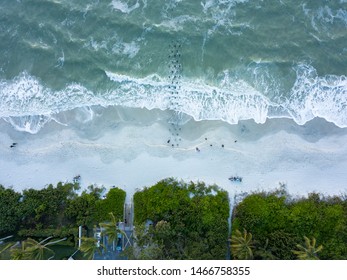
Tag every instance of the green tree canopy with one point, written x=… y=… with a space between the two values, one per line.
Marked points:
x=279 y=221
x=10 y=212
x=113 y=203
x=46 y=206
x=190 y=219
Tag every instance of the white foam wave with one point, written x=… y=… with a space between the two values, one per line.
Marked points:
x=231 y=103
x=210 y=4
x=28 y=105
x=314 y=96
x=221 y=16
x=326 y=20
x=124 y=7
x=115 y=45
x=30 y=124
x=129 y=49
x=326 y=14
x=177 y=23
x=60 y=60
x=26 y=96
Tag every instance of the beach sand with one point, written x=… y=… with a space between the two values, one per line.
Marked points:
x=129 y=148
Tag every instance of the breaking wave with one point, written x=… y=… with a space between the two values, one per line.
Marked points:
x=314 y=96
x=28 y=105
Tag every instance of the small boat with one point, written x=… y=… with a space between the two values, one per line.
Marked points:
x=235 y=179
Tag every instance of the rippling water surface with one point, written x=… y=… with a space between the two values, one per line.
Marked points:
x=211 y=59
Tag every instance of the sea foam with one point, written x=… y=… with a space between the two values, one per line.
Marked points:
x=123 y=6
x=314 y=96
x=27 y=104
x=30 y=124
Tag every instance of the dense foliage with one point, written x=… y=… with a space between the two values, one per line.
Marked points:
x=190 y=221
x=10 y=211
x=176 y=220
x=56 y=210
x=113 y=203
x=281 y=224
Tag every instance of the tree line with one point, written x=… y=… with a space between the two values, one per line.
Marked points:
x=176 y=220
x=56 y=212
x=275 y=225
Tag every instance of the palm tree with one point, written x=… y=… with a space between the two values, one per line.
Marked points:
x=308 y=251
x=110 y=229
x=5 y=249
x=89 y=246
x=17 y=253
x=265 y=252
x=242 y=245
x=34 y=250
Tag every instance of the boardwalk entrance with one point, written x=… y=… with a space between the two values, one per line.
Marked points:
x=128 y=226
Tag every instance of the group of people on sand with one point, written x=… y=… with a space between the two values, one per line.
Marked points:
x=13 y=145
x=198 y=150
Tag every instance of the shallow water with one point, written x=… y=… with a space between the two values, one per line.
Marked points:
x=211 y=60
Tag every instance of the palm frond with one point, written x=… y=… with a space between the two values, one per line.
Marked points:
x=309 y=250
x=242 y=245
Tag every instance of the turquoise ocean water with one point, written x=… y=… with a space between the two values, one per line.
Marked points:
x=225 y=60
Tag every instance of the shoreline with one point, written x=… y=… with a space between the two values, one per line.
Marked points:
x=132 y=151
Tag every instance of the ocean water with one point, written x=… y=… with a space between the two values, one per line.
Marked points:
x=227 y=60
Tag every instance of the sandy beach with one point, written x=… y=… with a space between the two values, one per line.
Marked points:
x=132 y=148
